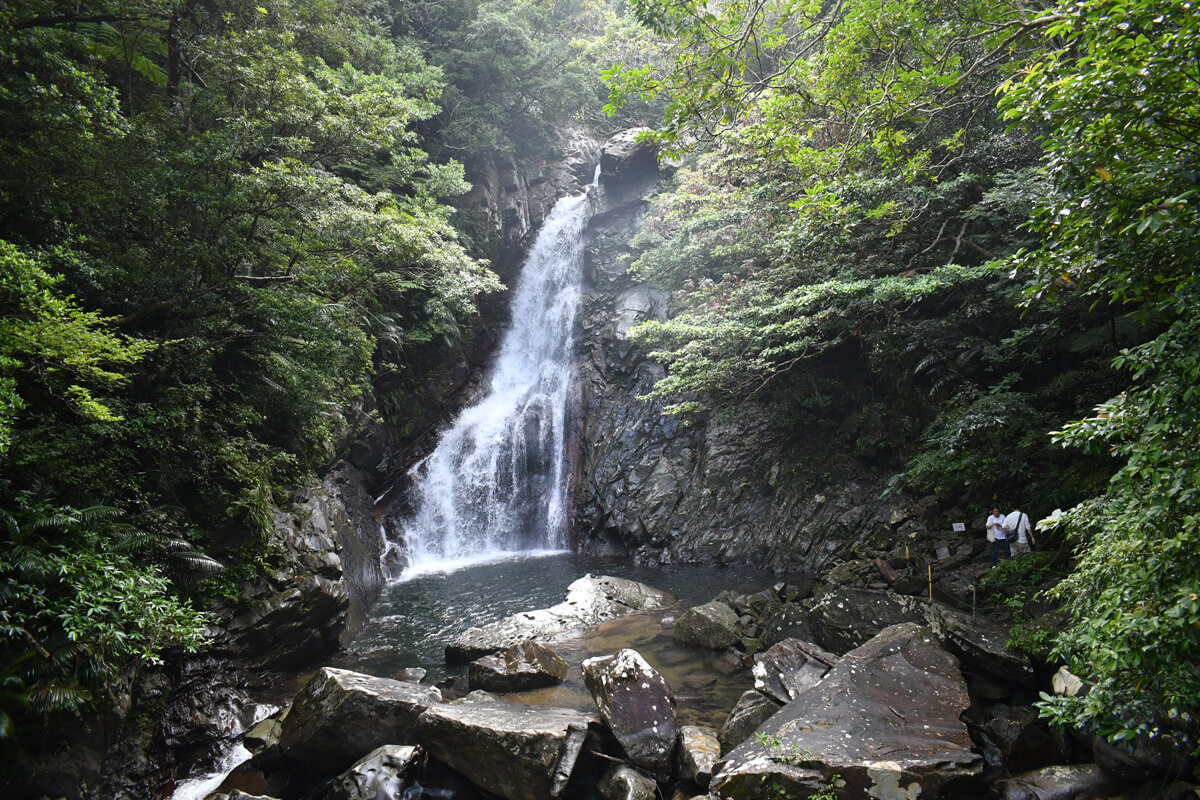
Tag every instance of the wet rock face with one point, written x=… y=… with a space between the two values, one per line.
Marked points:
x=638 y=706
x=340 y=715
x=511 y=200
x=516 y=752
x=590 y=601
x=885 y=720
x=299 y=614
x=718 y=491
x=382 y=774
x=722 y=490
x=292 y=627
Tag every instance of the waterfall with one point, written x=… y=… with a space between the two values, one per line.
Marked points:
x=496 y=482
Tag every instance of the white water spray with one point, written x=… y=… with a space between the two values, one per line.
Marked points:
x=496 y=483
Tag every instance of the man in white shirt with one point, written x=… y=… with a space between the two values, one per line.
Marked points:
x=995 y=526
x=1016 y=524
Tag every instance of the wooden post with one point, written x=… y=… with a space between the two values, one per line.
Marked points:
x=931 y=583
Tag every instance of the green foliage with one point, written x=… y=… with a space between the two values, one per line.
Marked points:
x=42 y=333
x=246 y=226
x=1117 y=90
x=517 y=73
x=1135 y=594
x=216 y=227
x=77 y=609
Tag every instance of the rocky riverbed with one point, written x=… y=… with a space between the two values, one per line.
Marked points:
x=858 y=691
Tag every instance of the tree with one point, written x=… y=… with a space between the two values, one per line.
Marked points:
x=1118 y=94
x=205 y=213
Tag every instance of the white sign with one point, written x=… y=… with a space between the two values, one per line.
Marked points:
x=960 y=526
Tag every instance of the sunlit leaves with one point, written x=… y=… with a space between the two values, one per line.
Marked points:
x=71 y=351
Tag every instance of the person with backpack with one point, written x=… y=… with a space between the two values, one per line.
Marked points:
x=997 y=536
x=1016 y=524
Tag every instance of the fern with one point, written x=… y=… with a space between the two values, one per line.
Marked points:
x=110 y=44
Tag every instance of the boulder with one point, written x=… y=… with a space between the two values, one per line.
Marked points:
x=1144 y=757
x=382 y=774
x=789 y=668
x=638 y=706
x=341 y=715
x=751 y=710
x=788 y=622
x=981 y=645
x=1064 y=782
x=1023 y=739
x=590 y=601
x=713 y=626
x=515 y=751
x=885 y=721
x=528 y=665
x=263 y=735
x=761 y=604
x=699 y=750
x=623 y=782
x=846 y=618
x=1066 y=684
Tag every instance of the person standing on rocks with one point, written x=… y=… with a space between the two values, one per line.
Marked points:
x=1017 y=524
x=995 y=526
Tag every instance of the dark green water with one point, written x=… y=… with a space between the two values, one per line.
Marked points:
x=414 y=619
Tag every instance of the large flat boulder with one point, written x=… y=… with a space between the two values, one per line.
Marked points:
x=515 y=751
x=340 y=716
x=638 y=706
x=590 y=601
x=885 y=719
x=981 y=645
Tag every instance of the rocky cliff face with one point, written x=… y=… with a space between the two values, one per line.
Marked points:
x=724 y=489
x=509 y=201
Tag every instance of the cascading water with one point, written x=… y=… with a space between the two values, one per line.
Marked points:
x=496 y=482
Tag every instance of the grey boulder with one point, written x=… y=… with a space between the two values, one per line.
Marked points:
x=638 y=706
x=524 y=666
x=515 y=751
x=713 y=626
x=884 y=721
x=1064 y=782
x=752 y=709
x=699 y=750
x=622 y=782
x=786 y=669
x=341 y=715
x=590 y=601
x=382 y=774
